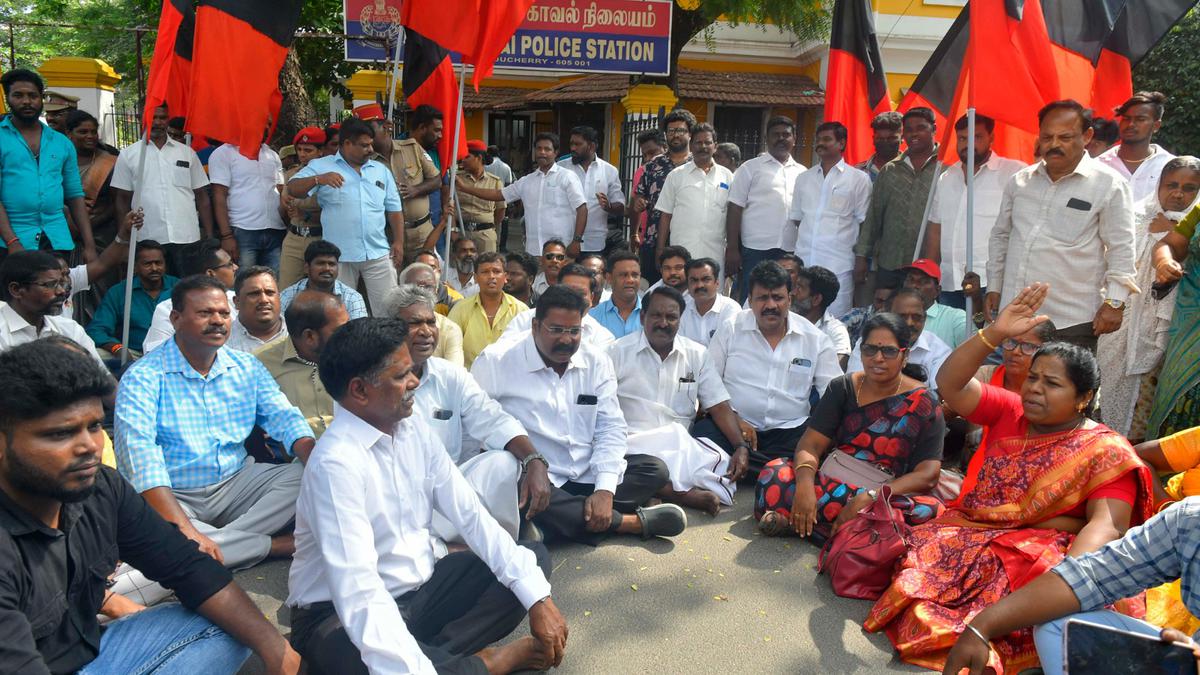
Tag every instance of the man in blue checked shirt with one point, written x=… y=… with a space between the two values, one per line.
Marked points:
x=1164 y=548
x=321 y=274
x=183 y=413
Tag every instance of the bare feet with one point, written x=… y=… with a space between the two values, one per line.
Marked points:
x=523 y=654
x=699 y=499
x=282 y=546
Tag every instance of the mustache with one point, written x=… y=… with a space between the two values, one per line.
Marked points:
x=563 y=349
x=1055 y=152
x=770 y=312
x=215 y=330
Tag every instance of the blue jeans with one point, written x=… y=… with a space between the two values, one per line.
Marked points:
x=1049 y=636
x=166 y=640
x=259 y=247
x=750 y=258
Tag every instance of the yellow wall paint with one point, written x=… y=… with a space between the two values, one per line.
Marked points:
x=914 y=8
x=474 y=124
x=898 y=81
x=698 y=107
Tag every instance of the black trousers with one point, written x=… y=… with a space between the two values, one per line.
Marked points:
x=1080 y=334
x=563 y=519
x=459 y=611
x=772 y=444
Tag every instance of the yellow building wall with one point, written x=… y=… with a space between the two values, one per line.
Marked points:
x=914 y=8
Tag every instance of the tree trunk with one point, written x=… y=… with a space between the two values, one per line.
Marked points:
x=685 y=25
x=297 y=107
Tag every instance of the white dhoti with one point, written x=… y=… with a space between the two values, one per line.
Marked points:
x=494 y=476
x=693 y=462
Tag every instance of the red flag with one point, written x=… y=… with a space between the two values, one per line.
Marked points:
x=1139 y=28
x=855 y=86
x=477 y=29
x=428 y=79
x=1012 y=61
x=170 y=70
x=239 y=50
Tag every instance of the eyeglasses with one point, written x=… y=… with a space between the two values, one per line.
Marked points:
x=573 y=331
x=869 y=351
x=59 y=285
x=1027 y=348
x=224 y=265
x=554 y=256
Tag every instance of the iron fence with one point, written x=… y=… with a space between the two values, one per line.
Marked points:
x=631 y=154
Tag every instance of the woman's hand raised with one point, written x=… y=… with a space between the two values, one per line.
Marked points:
x=1020 y=315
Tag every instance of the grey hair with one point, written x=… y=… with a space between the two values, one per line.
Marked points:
x=407 y=295
x=416 y=267
x=1181 y=162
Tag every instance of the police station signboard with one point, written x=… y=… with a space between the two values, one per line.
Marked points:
x=582 y=36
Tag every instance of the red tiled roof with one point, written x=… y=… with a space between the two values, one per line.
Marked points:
x=487 y=97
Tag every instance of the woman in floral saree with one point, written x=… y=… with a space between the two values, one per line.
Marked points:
x=1053 y=483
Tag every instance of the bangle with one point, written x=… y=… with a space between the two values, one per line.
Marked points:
x=983 y=338
x=981 y=636
x=115 y=348
x=10 y=242
x=806 y=465
x=227 y=235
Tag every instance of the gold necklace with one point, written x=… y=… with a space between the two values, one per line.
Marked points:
x=1025 y=443
x=858 y=388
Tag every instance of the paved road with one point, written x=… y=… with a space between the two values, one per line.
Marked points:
x=717 y=599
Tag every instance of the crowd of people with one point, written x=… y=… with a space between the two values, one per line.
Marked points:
x=301 y=359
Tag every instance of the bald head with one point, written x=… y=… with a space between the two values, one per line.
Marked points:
x=311 y=318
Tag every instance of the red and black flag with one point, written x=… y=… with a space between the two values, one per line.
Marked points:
x=239 y=50
x=170 y=70
x=428 y=79
x=936 y=86
x=477 y=29
x=1139 y=28
x=855 y=84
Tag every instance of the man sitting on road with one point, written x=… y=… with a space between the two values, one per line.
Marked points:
x=321 y=274
x=450 y=336
x=183 y=414
x=484 y=315
x=775 y=365
x=367 y=590
x=816 y=290
x=707 y=308
x=204 y=257
x=927 y=350
x=663 y=379
x=259 y=321
x=34 y=289
x=564 y=394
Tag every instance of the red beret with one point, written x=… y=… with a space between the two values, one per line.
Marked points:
x=309 y=136
x=369 y=111
x=476 y=145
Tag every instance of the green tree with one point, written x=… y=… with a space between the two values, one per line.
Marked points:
x=1168 y=68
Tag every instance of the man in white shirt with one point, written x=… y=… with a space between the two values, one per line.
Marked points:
x=694 y=197
x=927 y=350
x=829 y=203
x=555 y=207
x=775 y=365
x=462 y=260
x=672 y=268
x=246 y=202
x=366 y=587
x=601 y=185
x=578 y=278
x=1066 y=221
x=1137 y=159
x=259 y=320
x=663 y=380
x=203 y=257
x=816 y=287
x=554 y=256
x=946 y=235
x=174 y=197
x=564 y=394
x=33 y=290
x=760 y=197
x=707 y=308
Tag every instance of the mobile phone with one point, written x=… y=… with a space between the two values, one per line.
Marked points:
x=1095 y=649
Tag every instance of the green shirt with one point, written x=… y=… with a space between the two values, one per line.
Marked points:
x=889 y=234
x=948 y=323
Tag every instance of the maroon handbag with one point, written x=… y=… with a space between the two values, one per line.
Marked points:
x=861 y=557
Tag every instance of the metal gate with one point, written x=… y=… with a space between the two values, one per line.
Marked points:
x=631 y=155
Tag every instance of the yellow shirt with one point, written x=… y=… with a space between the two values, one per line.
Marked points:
x=450 y=341
x=299 y=383
x=477 y=332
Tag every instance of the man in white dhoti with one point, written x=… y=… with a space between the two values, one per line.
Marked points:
x=662 y=380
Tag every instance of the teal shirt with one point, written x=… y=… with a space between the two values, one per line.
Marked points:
x=34 y=191
x=948 y=323
x=105 y=328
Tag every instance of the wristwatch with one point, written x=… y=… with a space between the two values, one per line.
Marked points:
x=1115 y=304
x=872 y=494
x=578 y=239
x=537 y=456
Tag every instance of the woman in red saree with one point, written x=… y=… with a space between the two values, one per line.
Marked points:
x=1052 y=483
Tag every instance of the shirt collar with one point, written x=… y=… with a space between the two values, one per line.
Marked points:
x=1086 y=168
x=768 y=157
x=534 y=362
x=18 y=522
x=357 y=428
x=612 y=304
x=840 y=167
x=14 y=321
x=643 y=344
x=173 y=361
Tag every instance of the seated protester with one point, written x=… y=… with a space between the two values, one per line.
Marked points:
x=948 y=323
x=367 y=592
x=672 y=269
x=792 y=264
x=84 y=275
x=1053 y=484
x=484 y=315
x=621 y=314
x=462 y=260
x=446 y=297
x=459 y=412
x=151 y=285
x=259 y=321
x=927 y=350
x=33 y=291
x=816 y=289
x=311 y=318
x=881 y=301
x=203 y=257
x=449 y=335
x=595 y=263
x=775 y=365
x=663 y=380
x=65 y=520
x=882 y=417
x=554 y=257
x=564 y=395
x=321 y=274
x=1082 y=586
x=189 y=462
x=520 y=268
x=707 y=308
x=583 y=280
x=1177 y=454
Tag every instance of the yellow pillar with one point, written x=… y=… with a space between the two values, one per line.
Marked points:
x=92 y=80
x=649 y=98
x=365 y=84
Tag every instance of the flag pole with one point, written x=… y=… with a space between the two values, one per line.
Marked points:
x=458 y=115
x=395 y=75
x=937 y=173
x=970 y=319
x=129 y=263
